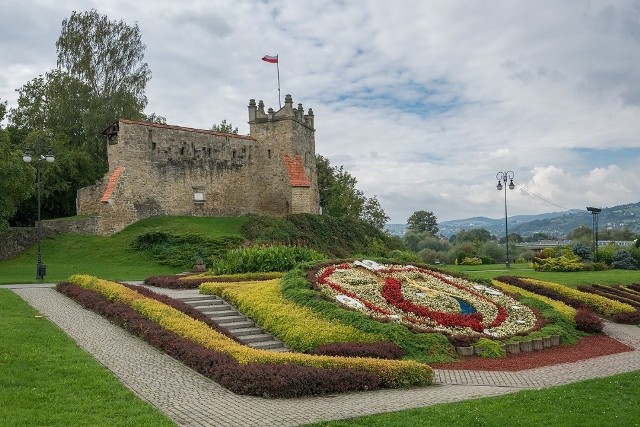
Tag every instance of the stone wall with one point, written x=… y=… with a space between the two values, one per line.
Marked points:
x=157 y=169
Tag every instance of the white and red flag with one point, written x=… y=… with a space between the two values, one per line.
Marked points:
x=271 y=59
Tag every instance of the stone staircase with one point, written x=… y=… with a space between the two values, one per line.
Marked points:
x=241 y=327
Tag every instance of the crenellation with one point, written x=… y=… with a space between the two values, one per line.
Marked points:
x=172 y=170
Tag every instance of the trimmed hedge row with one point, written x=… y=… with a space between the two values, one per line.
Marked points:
x=629 y=294
x=378 y=350
x=193 y=281
x=425 y=347
x=569 y=296
x=299 y=327
x=266 y=380
x=389 y=373
x=565 y=310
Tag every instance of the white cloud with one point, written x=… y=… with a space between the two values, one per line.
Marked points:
x=446 y=94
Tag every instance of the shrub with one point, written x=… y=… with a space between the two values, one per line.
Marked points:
x=265 y=380
x=588 y=322
x=490 y=348
x=193 y=281
x=488 y=260
x=299 y=327
x=471 y=261
x=561 y=263
x=623 y=260
x=377 y=350
x=562 y=308
x=403 y=256
x=264 y=258
x=632 y=318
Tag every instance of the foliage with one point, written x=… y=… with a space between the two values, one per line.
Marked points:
x=423 y=222
x=298 y=327
x=402 y=256
x=422 y=347
x=475 y=235
x=623 y=260
x=564 y=262
x=340 y=198
x=263 y=258
x=265 y=380
x=588 y=322
x=563 y=309
x=471 y=261
x=48 y=380
x=192 y=281
x=334 y=237
x=16 y=178
x=582 y=250
x=389 y=373
x=490 y=348
x=377 y=350
x=225 y=127
x=182 y=250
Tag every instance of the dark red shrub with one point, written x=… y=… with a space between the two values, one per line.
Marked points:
x=632 y=318
x=588 y=322
x=378 y=350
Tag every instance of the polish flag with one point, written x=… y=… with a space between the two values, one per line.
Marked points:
x=271 y=59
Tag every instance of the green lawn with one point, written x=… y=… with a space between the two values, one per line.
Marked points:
x=47 y=380
x=571 y=279
x=108 y=257
x=612 y=401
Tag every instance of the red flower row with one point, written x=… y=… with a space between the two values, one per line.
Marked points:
x=392 y=292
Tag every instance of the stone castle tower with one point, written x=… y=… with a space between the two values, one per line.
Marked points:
x=157 y=169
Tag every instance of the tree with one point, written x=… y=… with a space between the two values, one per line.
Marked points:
x=423 y=221
x=339 y=196
x=475 y=235
x=16 y=178
x=225 y=127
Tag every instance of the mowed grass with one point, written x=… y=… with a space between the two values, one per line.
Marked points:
x=612 y=401
x=47 y=380
x=571 y=279
x=109 y=257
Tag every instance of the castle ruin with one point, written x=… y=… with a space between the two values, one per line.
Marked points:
x=157 y=169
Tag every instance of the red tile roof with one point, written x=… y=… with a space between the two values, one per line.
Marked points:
x=295 y=169
x=111 y=185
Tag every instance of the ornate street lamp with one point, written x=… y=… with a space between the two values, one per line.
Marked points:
x=41 y=269
x=502 y=177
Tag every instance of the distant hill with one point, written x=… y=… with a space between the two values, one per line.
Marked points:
x=557 y=224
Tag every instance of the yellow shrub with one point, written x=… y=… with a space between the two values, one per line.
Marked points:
x=299 y=327
x=392 y=373
x=598 y=303
x=565 y=310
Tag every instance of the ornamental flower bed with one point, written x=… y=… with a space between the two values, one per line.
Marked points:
x=425 y=300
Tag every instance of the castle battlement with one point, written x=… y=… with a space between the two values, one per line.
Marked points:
x=257 y=114
x=158 y=169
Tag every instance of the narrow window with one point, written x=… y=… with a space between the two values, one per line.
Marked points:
x=182 y=151
x=209 y=151
x=269 y=153
x=233 y=154
x=153 y=146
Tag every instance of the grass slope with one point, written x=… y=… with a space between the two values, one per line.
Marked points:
x=48 y=380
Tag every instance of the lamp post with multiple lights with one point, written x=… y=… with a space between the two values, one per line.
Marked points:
x=503 y=177
x=28 y=156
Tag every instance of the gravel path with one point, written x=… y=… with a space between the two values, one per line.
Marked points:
x=191 y=399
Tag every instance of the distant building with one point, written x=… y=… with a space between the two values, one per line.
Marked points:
x=157 y=169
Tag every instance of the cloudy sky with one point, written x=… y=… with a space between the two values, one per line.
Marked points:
x=422 y=101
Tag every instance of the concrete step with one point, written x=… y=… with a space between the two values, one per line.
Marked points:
x=228 y=312
x=244 y=324
x=240 y=332
x=256 y=338
x=198 y=298
x=229 y=319
x=210 y=309
x=206 y=303
x=267 y=345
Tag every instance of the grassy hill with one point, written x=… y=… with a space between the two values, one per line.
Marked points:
x=168 y=245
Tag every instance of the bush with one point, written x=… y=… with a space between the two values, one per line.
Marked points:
x=264 y=258
x=588 y=322
x=623 y=260
x=490 y=348
x=403 y=256
x=471 y=261
x=561 y=263
x=193 y=281
x=632 y=318
x=377 y=350
x=488 y=260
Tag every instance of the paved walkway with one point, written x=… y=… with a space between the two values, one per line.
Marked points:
x=191 y=399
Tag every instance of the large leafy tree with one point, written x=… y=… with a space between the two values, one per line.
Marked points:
x=16 y=178
x=423 y=222
x=100 y=77
x=339 y=196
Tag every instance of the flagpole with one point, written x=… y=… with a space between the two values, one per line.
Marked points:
x=278 y=68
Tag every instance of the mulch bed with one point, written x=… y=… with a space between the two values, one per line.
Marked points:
x=587 y=348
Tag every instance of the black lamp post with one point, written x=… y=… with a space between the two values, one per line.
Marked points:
x=594 y=230
x=502 y=177
x=41 y=269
